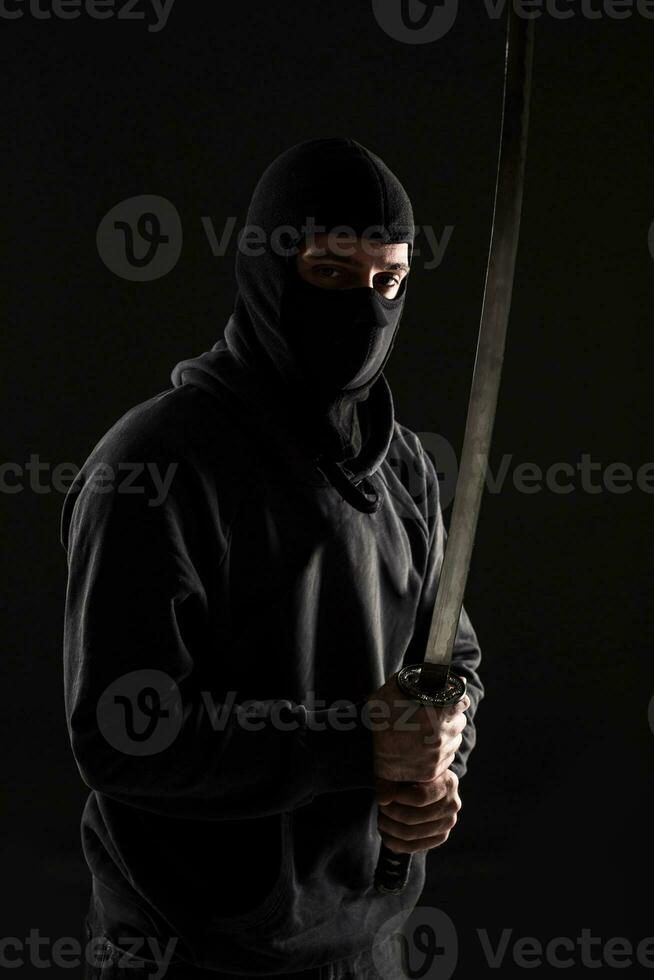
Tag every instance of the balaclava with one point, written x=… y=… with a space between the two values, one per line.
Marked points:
x=322 y=350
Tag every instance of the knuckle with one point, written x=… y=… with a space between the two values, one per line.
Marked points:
x=429 y=772
x=424 y=795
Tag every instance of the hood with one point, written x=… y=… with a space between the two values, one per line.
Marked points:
x=320 y=185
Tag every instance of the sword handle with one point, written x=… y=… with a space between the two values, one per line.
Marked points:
x=428 y=684
x=392 y=871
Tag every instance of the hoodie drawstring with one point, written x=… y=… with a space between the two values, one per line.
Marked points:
x=367 y=503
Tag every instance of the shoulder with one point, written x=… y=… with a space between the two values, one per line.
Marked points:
x=171 y=456
x=173 y=424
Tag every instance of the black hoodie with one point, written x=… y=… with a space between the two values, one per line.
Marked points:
x=223 y=632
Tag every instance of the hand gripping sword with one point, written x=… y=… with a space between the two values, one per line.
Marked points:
x=432 y=682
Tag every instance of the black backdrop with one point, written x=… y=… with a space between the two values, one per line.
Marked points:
x=554 y=833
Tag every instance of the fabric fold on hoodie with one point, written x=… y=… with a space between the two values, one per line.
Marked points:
x=274 y=419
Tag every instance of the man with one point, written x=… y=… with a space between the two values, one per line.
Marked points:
x=233 y=630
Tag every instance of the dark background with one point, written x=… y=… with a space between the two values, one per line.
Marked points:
x=554 y=835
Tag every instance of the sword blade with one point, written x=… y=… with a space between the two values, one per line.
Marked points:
x=490 y=348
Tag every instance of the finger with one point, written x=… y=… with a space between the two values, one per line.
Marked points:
x=458 y=707
x=463 y=704
x=441 y=716
x=444 y=765
x=403 y=831
x=459 y=723
x=385 y=790
x=446 y=739
x=441 y=736
x=399 y=846
x=420 y=794
x=417 y=815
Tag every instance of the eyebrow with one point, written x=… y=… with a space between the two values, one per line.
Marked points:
x=326 y=253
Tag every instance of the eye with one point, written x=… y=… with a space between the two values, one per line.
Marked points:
x=392 y=280
x=324 y=271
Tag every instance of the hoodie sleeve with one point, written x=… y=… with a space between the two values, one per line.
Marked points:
x=134 y=614
x=466 y=655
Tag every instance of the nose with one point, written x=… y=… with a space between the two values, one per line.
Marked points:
x=370 y=313
x=369 y=280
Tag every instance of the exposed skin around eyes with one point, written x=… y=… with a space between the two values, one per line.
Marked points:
x=346 y=262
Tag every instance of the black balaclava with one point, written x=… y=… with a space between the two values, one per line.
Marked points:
x=319 y=339
x=321 y=350
x=341 y=338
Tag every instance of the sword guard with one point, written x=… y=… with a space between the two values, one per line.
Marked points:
x=431 y=684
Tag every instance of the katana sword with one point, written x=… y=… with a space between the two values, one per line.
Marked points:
x=432 y=682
